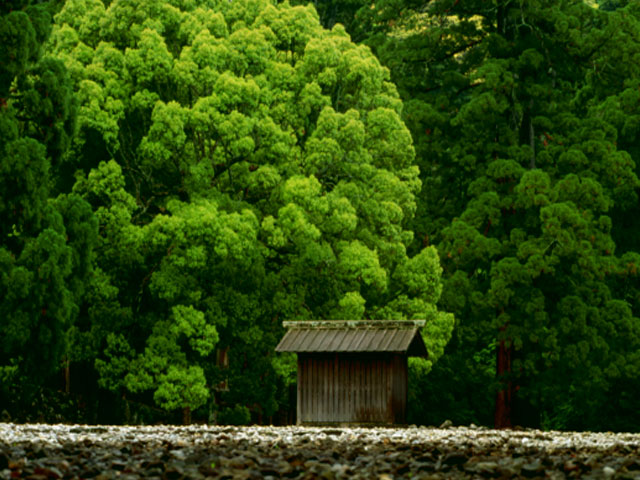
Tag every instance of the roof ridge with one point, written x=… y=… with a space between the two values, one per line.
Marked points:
x=357 y=324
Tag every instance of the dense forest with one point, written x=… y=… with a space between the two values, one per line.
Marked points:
x=178 y=177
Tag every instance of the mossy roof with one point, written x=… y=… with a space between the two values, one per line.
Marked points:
x=354 y=336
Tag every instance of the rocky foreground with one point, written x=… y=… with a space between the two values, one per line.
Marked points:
x=41 y=452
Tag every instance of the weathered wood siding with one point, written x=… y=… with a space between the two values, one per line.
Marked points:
x=352 y=388
x=400 y=383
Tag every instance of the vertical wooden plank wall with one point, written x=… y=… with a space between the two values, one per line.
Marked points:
x=334 y=388
x=299 y=393
x=400 y=380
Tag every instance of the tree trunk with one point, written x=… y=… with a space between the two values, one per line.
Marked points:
x=504 y=399
x=500 y=19
x=528 y=134
x=67 y=375
x=532 y=139
x=127 y=409
x=186 y=415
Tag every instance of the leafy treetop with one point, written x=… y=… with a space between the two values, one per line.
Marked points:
x=256 y=168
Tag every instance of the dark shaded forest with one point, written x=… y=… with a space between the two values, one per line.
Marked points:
x=179 y=177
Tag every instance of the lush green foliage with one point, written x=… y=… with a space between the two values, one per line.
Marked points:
x=46 y=235
x=180 y=176
x=245 y=166
x=527 y=188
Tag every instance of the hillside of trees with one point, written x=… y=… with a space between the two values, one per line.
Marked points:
x=178 y=177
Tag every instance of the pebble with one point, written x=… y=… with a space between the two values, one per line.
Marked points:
x=608 y=472
x=204 y=451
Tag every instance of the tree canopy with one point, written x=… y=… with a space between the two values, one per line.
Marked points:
x=523 y=174
x=246 y=166
x=178 y=177
x=46 y=234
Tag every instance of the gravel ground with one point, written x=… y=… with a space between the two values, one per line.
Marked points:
x=42 y=452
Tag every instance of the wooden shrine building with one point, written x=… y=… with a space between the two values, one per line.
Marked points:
x=353 y=371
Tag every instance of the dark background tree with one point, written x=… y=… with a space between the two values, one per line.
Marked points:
x=46 y=233
x=529 y=184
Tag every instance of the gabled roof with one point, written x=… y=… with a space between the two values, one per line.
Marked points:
x=354 y=336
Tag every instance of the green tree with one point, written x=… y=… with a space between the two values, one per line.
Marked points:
x=46 y=235
x=246 y=166
x=614 y=83
x=522 y=179
x=344 y=12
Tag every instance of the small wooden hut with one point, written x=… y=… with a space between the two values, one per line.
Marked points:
x=353 y=371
